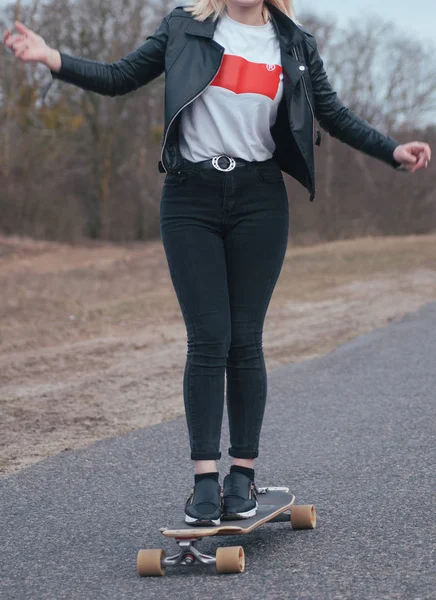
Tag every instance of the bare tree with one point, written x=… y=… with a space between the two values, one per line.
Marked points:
x=78 y=164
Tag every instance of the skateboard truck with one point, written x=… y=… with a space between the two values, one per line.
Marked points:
x=154 y=562
x=188 y=555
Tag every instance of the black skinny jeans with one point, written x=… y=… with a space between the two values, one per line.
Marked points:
x=225 y=237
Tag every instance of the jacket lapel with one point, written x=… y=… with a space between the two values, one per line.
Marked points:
x=288 y=33
x=204 y=28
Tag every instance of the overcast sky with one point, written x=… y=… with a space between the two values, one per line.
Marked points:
x=414 y=18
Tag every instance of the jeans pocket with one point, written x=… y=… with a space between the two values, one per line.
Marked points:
x=175 y=178
x=270 y=175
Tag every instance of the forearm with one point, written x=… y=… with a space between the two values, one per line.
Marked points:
x=79 y=72
x=138 y=68
x=339 y=120
x=359 y=134
x=92 y=75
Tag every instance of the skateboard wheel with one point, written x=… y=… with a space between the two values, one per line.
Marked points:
x=149 y=563
x=230 y=560
x=303 y=517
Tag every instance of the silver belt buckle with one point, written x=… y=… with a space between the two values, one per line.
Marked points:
x=231 y=166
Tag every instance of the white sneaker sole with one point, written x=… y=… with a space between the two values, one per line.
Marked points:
x=193 y=520
x=245 y=515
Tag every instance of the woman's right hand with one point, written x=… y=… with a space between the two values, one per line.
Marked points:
x=28 y=46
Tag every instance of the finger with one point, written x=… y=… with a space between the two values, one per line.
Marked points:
x=425 y=157
x=21 y=49
x=23 y=54
x=415 y=149
x=22 y=28
x=422 y=148
x=7 y=38
x=19 y=40
x=418 y=147
x=421 y=162
x=408 y=157
x=12 y=39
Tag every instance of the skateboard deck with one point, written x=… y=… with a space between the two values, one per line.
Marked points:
x=271 y=503
x=274 y=504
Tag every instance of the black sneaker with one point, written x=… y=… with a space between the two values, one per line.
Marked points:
x=204 y=505
x=239 y=496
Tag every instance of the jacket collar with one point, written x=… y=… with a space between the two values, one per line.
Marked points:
x=288 y=32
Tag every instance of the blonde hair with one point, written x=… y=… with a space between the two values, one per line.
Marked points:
x=202 y=9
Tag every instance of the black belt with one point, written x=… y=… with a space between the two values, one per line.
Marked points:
x=220 y=163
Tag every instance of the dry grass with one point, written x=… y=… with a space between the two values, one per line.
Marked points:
x=92 y=341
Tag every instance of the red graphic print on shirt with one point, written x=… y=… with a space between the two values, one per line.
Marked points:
x=244 y=77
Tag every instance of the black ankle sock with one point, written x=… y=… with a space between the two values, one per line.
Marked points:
x=245 y=470
x=213 y=475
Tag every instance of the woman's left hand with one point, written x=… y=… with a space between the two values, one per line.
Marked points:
x=413 y=156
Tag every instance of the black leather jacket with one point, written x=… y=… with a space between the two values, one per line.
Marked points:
x=183 y=48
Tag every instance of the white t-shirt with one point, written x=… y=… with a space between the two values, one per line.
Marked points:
x=234 y=114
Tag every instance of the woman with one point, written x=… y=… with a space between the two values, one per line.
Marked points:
x=243 y=84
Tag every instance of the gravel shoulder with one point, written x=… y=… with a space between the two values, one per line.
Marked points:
x=93 y=344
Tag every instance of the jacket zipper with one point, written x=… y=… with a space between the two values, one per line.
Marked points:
x=318 y=133
x=184 y=106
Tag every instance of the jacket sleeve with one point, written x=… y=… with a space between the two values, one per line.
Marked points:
x=340 y=121
x=126 y=75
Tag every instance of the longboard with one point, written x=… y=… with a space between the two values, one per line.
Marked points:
x=274 y=504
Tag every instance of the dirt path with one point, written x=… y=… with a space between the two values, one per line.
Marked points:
x=92 y=342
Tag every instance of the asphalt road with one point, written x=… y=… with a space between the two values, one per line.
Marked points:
x=352 y=432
